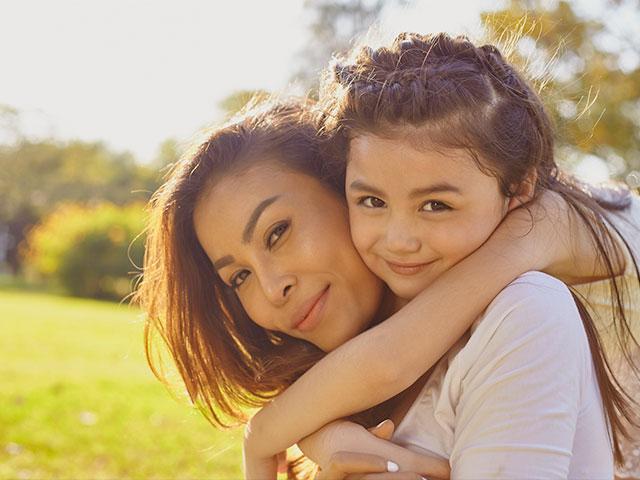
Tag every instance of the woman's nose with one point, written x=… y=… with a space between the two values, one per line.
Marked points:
x=277 y=286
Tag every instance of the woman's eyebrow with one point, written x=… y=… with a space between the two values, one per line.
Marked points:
x=255 y=216
x=223 y=262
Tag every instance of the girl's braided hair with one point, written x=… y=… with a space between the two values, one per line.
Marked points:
x=454 y=94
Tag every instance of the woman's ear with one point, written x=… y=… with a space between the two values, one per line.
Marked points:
x=525 y=191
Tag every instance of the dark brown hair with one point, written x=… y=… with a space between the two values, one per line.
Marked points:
x=466 y=97
x=226 y=361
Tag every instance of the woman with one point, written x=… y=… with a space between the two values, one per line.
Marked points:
x=225 y=360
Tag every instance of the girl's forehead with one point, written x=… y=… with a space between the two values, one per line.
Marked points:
x=403 y=157
x=391 y=165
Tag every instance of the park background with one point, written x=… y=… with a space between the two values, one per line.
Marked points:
x=98 y=99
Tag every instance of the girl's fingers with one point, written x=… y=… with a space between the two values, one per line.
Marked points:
x=435 y=467
x=345 y=463
x=386 y=476
x=384 y=429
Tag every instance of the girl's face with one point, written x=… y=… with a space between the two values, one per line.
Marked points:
x=415 y=213
x=281 y=240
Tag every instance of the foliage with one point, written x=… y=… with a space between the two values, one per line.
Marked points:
x=236 y=101
x=591 y=66
x=36 y=176
x=86 y=250
x=333 y=26
x=79 y=402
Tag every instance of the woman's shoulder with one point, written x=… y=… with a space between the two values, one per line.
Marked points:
x=629 y=217
x=627 y=225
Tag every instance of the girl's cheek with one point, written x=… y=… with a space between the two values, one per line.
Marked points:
x=362 y=233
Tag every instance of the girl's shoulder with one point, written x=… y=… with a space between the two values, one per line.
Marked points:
x=534 y=307
x=531 y=329
x=532 y=292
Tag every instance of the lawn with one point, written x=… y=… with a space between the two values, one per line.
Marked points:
x=77 y=400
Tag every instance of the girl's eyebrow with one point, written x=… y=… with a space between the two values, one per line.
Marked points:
x=360 y=185
x=416 y=192
x=435 y=188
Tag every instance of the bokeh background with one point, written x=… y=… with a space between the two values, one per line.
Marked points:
x=98 y=98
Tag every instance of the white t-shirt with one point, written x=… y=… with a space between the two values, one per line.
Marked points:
x=518 y=398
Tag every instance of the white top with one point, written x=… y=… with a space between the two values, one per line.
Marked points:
x=519 y=397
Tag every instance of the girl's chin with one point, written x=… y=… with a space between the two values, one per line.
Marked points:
x=407 y=290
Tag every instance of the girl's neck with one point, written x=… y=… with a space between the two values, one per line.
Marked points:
x=389 y=305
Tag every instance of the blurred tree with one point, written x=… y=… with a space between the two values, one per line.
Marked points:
x=169 y=152
x=333 y=26
x=89 y=251
x=589 y=63
x=35 y=176
x=10 y=130
x=233 y=103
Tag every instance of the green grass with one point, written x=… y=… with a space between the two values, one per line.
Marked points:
x=77 y=400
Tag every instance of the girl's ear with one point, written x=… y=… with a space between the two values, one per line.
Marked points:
x=525 y=191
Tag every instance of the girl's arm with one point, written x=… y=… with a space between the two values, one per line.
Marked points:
x=386 y=359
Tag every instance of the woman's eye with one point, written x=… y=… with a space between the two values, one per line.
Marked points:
x=238 y=278
x=276 y=233
x=434 y=206
x=371 y=202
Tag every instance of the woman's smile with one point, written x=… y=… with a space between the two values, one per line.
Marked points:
x=281 y=240
x=311 y=312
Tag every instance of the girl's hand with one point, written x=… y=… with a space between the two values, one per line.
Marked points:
x=345 y=450
x=552 y=238
x=543 y=231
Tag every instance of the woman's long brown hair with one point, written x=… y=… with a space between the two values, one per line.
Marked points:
x=467 y=97
x=226 y=361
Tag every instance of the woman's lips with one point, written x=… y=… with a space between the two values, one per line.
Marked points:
x=407 y=269
x=312 y=312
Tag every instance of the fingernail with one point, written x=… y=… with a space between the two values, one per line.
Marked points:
x=392 y=466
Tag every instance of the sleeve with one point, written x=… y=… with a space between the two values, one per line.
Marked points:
x=520 y=396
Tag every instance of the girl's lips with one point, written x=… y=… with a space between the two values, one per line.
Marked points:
x=314 y=313
x=407 y=269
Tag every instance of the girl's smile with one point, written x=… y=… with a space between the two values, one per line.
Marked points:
x=415 y=211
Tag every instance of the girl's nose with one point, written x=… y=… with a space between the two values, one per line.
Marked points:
x=401 y=240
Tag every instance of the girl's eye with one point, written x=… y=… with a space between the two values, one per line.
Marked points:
x=434 y=206
x=276 y=233
x=238 y=278
x=371 y=202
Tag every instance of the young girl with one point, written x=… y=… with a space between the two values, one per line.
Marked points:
x=444 y=138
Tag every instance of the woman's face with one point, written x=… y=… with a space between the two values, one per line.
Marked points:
x=281 y=240
x=415 y=213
